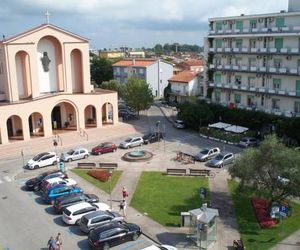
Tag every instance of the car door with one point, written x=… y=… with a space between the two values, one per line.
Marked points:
x=134 y=142
x=76 y=155
x=44 y=161
x=81 y=153
x=120 y=236
x=227 y=159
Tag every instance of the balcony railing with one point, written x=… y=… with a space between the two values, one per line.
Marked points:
x=257 y=30
x=283 y=51
x=256 y=69
x=256 y=89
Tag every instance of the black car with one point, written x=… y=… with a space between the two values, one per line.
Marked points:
x=152 y=137
x=67 y=200
x=113 y=234
x=33 y=183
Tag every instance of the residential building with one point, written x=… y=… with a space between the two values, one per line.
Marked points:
x=136 y=54
x=111 y=54
x=155 y=72
x=45 y=86
x=185 y=84
x=254 y=61
x=192 y=64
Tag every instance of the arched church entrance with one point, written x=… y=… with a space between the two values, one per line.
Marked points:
x=64 y=116
x=36 y=125
x=14 y=128
x=90 y=117
x=23 y=74
x=77 y=71
x=50 y=66
x=107 y=114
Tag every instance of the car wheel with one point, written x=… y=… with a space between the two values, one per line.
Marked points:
x=99 y=153
x=105 y=246
x=127 y=147
x=70 y=159
x=36 y=167
x=221 y=165
x=135 y=236
x=85 y=156
x=54 y=163
x=77 y=222
x=114 y=150
x=148 y=142
x=141 y=144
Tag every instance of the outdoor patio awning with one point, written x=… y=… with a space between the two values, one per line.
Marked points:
x=236 y=129
x=220 y=125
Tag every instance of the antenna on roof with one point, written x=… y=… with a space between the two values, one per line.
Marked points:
x=47 y=15
x=3 y=37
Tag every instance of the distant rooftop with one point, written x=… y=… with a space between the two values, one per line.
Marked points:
x=185 y=76
x=135 y=62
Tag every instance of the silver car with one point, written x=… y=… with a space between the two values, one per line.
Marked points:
x=75 y=154
x=248 y=142
x=221 y=160
x=132 y=142
x=207 y=153
x=92 y=220
x=179 y=124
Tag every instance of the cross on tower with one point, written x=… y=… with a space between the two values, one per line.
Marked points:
x=47 y=15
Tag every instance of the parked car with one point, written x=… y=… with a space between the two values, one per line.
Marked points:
x=113 y=234
x=51 y=183
x=48 y=177
x=59 y=191
x=132 y=142
x=160 y=247
x=65 y=201
x=95 y=219
x=179 y=124
x=33 y=182
x=248 y=142
x=42 y=160
x=152 y=137
x=126 y=114
x=124 y=106
x=207 y=153
x=75 y=154
x=105 y=147
x=221 y=160
x=73 y=214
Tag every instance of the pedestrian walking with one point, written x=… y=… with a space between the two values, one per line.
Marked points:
x=51 y=243
x=124 y=193
x=59 y=241
x=123 y=207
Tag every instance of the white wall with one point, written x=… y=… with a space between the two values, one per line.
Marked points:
x=47 y=80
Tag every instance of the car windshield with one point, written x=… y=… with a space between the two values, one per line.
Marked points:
x=219 y=157
x=128 y=140
x=70 y=152
x=180 y=122
x=204 y=151
x=37 y=157
x=244 y=140
x=101 y=145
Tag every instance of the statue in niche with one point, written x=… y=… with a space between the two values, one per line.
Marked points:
x=45 y=61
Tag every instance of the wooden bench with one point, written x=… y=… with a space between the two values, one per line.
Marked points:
x=108 y=165
x=176 y=171
x=86 y=165
x=199 y=172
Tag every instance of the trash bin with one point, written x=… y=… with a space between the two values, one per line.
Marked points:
x=202 y=192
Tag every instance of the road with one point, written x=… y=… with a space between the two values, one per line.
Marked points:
x=27 y=223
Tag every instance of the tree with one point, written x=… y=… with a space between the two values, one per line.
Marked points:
x=272 y=169
x=114 y=85
x=138 y=94
x=158 y=49
x=101 y=70
x=167 y=92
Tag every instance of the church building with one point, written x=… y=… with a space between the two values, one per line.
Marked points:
x=45 y=86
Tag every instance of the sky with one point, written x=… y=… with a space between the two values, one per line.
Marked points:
x=131 y=23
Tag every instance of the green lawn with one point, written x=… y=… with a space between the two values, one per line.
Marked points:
x=253 y=236
x=163 y=197
x=102 y=185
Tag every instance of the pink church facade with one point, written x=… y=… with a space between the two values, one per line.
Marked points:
x=45 y=86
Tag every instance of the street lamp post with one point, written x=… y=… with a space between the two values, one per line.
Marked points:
x=157 y=126
x=110 y=171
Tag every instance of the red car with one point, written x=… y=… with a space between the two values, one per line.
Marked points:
x=105 y=147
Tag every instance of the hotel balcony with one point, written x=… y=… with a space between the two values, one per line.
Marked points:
x=258 y=51
x=255 y=89
x=258 y=30
x=255 y=69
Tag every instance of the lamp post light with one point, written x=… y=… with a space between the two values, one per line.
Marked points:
x=110 y=171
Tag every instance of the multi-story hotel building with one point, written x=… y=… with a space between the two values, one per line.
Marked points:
x=45 y=86
x=254 y=61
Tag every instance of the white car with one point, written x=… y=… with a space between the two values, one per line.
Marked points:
x=42 y=160
x=132 y=142
x=160 y=247
x=179 y=124
x=56 y=181
x=75 y=154
x=207 y=154
x=72 y=214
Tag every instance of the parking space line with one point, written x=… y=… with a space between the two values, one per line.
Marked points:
x=6 y=178
x=69 y=231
